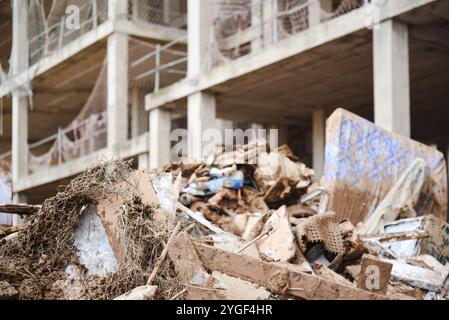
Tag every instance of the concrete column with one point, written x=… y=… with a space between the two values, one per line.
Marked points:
x=118 y=9
x=270 y=23
x=199 y=22
x=19 y=63
x=318 y=141
x=314 y=11
x=257 y=25
x=19 y=137
x=19 y=58
x=18 y=198
x=117 y=89
x=143 y=161
x=391 y=77
x=224 y=125
x=139 y=117
x=201 y=115
x=166 y=11
x=160 y=127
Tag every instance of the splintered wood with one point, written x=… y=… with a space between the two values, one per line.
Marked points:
x=190 y=269
x=20 y=209
x=192 y=261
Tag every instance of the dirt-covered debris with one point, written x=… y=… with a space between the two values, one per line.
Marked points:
x=35 y=260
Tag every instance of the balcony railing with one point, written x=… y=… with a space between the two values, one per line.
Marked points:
x=49 y=33
x=241 y=27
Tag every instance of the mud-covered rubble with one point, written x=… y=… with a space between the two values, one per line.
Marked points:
x=246 y=223
x=239 y=247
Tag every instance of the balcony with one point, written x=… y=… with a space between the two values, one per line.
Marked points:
x=50 y=29
x=239 y=28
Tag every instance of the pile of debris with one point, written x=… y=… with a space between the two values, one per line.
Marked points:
x=246 y=223
x=97 y=238
x=276 y=231
x=236 y=189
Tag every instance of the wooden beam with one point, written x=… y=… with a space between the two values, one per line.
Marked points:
x=190 y=269
x=300 y=284
x=22 y=209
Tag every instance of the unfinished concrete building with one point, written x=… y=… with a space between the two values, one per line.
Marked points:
x=131 y=72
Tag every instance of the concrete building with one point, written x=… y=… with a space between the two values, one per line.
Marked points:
x=284 y=64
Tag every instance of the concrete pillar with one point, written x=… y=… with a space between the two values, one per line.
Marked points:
x=199 y=22
x=166 y=11
x=19 y=137
x=18 y=198
x=314 y=11
x=257 y=23
x=117 y=89
x=318 y=141
x=391 y=77
x=139 y=117
x=143 y=161
x=201 y=115
x=117 y=9
x=224 y=125
x=270 y=22
x=160 y=127
x=19 y=58
x=19 y=63
x=117 y=95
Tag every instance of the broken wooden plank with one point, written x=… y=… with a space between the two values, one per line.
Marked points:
x=21 y=209
x=189 y=268
x=270 y=275
x=374 y=275
x=397 y=236
x=329 y=274
x=199 y=218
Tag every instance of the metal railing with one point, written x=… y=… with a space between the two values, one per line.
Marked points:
x=56 y=155
x=54 y=37
x=180 y=57
x=266 y=22
x=92 y=13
